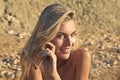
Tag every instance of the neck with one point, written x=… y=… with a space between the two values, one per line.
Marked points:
x=60 y=62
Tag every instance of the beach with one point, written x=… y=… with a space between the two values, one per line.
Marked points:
x=99 y=28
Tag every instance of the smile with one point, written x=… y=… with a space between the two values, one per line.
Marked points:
x=66 y=50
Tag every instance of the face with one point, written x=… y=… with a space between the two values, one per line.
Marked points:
x=65 y=39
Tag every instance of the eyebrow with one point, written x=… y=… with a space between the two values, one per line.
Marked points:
x=65 y=33
x=74 y=32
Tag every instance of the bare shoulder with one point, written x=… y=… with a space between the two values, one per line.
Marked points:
x=82 y=60
x=34 y=74
x=81 y=53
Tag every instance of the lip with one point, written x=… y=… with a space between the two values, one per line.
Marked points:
x=66 y=50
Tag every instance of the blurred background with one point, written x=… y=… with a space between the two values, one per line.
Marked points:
x=99 y=26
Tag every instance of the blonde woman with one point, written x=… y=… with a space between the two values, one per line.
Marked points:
x=52 y=52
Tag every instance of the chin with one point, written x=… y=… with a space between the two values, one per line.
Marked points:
x=64 y=57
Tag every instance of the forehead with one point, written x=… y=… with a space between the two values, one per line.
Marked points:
x=68 y=27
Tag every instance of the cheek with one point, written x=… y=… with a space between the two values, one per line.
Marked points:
x=57 y=43
x=73 y=41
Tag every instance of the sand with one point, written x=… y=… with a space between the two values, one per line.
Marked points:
x=99 y=23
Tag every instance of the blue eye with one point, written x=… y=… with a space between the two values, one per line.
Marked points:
x=74 y=34
x=60 y=35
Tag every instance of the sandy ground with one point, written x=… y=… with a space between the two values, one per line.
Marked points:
x=99 y=23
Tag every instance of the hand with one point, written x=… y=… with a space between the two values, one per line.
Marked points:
x=49 y=58
x=50 y=61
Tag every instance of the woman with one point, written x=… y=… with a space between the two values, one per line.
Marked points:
x=52 y=52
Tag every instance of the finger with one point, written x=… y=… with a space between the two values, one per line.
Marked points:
x=51 y=45
x=44 y=53
x=49 y=51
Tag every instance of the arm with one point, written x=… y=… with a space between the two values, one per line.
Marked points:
x=83 y=65
x=49 y=67
x=34 y=74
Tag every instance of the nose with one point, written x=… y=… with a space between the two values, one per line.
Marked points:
x=68 y=41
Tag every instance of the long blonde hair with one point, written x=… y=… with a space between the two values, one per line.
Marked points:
x=45 y=30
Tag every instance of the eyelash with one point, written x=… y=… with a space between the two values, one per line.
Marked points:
x=74 y=34
x=62 y=36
